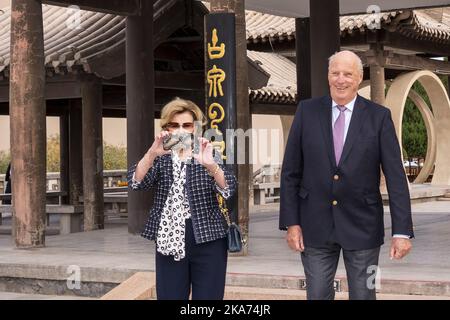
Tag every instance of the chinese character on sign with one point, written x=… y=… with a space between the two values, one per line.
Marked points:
x=214 y=51
x=215 y=78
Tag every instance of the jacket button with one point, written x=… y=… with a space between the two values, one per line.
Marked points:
x=335 y=203
x=336 y=177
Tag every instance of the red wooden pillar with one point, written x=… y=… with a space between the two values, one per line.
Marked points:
x=91 y=95
x=140 y=105
x=28 y=127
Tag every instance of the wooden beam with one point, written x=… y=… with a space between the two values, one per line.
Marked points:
x=119 y=7
x=396 y=40
x=115 y=113
x=180 y=80
x=53 y=91
x=405 y=62
x=117 y=81
x=115 y=97
x=354 y=39
x=54 y=107
x=168 y=52
x=273 y=109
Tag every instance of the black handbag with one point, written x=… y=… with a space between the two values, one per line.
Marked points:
x=234 y=238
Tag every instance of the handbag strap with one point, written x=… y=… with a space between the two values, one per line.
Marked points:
x=224 y=209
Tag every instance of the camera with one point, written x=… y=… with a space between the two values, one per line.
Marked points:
x=178 y=141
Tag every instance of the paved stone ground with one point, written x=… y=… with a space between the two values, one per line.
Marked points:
x=106 y=251
x=24 y=296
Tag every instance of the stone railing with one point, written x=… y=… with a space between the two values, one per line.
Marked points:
x=111 y=178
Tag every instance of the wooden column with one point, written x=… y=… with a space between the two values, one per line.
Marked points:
x=64 y=146
x=91 y=95
x=303 y=56
x=325 y=41
x=28 y=125
x=75 y=188
x=377 y=92
x=377 y=82
x=140 y=105
x=448 y=80
x=244 y=172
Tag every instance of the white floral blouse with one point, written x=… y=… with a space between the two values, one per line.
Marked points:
x=170 y=239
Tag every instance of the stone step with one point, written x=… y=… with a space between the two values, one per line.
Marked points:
x=141 y=286
x=443 y=199
x=49 y=230
x=447 y=195
x=99 y=282
x=30 y=296
x=252 y=293
x=231 y=293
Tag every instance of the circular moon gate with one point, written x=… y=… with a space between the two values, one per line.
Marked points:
x=436 y=122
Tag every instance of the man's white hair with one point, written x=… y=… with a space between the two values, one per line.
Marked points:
x=357 y=59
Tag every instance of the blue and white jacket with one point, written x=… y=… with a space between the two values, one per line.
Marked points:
x=201 y=190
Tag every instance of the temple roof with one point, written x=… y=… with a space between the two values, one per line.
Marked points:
x=433 y=24
x=70 y=46
x=281 y=87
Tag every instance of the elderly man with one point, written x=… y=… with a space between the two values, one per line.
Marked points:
x=330 y=184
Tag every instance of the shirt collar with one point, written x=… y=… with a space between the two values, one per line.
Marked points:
x=349 y=105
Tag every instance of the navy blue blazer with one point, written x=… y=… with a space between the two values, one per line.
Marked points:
x=207 y=220
x=342 y=202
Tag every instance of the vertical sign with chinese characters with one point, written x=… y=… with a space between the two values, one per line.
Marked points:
x=220 y=76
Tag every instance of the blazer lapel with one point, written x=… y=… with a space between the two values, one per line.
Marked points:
x=358 y=116
x=325 y=121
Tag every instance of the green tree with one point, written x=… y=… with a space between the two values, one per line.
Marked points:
x=414 y=133
x=53 y=153
x=114 y=157
x=5 y=158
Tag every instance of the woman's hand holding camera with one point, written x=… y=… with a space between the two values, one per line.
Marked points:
x=157 y=149
x=206 y=158
x=205 y=154
x=154 y=151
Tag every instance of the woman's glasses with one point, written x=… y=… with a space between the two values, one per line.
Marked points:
x=176 y=125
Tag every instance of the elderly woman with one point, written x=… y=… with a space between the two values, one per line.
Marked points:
x=185 y=220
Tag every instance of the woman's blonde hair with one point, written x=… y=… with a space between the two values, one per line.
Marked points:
x=179 y=105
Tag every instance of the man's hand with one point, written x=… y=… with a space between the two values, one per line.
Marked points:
x=294 y=238
x=400 y=247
